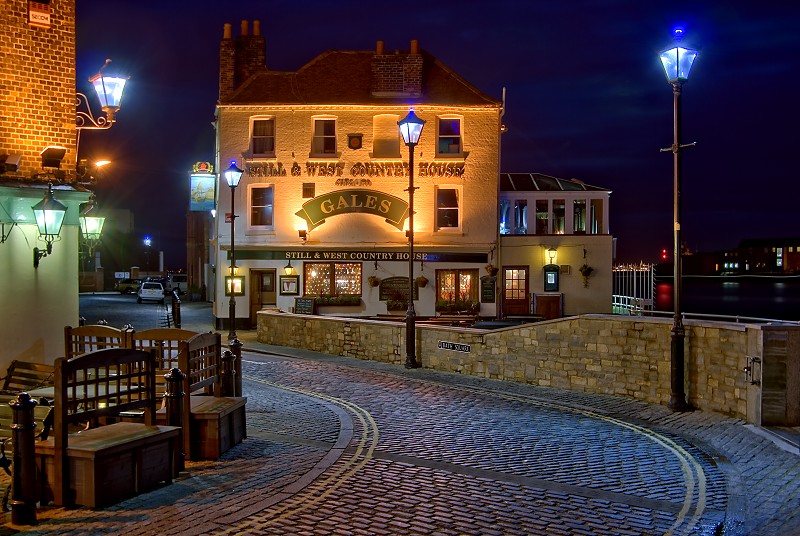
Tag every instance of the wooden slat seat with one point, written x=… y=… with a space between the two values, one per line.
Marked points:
x=105 y=464
x=24 y=376
x=83 y=339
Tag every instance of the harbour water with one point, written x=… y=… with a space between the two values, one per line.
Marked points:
x=758 y=297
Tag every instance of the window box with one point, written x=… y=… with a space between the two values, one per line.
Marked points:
x=348 y=301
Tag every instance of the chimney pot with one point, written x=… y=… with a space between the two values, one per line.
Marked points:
x=379 y=48
x=414 y=46
x=226 y=30
x=244 y=27
x=256 y=27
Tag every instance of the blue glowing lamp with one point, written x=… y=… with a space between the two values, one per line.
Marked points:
x=233 y=174
x=109 y=90
x=411 y=128
x=677 y=61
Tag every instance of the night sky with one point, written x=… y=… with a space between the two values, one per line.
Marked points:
x=585 y=92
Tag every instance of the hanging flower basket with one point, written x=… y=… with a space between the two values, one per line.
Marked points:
x=421 y=281
x=491 y=269
x=373 y=281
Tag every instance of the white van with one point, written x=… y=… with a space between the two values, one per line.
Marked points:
x=178 y=282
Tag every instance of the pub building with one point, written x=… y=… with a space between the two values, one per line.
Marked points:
x=321 y=210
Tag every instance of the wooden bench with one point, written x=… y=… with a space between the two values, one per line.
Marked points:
x=216 y=423
x=165 y=342
x=104 y=464
x=24 y=376
x=83 y=339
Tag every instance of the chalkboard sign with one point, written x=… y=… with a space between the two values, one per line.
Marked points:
x=304 y=306
x=488 y=288
x=396 y=288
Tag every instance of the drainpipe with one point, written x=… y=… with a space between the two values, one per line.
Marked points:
x=498 y=291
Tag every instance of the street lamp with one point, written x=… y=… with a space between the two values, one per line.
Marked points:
x=232 y=176
x=677 y=62
x=411 y=129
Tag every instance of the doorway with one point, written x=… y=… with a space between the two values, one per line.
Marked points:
x=516 y=296
x=262 y=293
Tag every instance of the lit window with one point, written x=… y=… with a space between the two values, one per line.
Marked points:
x=385 y=137
x=579 y=216
x=542 y=215
x=324 y=141
x=457 y=287
x=505 y=217
x=559 y=216
x=263 y=137
x=449 y=141
x=332 y=278
x=520 y=216
x=261 y=209
x=447 y=208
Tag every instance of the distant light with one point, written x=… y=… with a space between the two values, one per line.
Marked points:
x=101 y=163
x=148 y=241
x=678 y=32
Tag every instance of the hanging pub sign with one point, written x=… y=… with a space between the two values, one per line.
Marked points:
x=202 y=187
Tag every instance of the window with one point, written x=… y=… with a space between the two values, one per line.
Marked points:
x=579 y=216
x=559 y=216
x=324 y=140
x=263 y=137
x=449 y=140
x=332 y=278
x=447 y=208
x=261 y=209
x=505 y=217
x=542 y=214
x=520 y=216
x=385 y=137
x=457 y=286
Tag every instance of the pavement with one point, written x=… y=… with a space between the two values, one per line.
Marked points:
x=339 y=446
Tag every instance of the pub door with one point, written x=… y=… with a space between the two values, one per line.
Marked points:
x=516 y=294
x=262 y=292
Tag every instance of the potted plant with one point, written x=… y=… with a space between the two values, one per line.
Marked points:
x=586 y=271
x=373 y=281
x=421 y=281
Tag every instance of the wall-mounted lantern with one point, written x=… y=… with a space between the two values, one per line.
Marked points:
x=49 y=214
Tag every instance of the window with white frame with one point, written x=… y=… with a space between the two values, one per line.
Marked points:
x=261 y=205
x=448 y=142
x=263 y=137
x=448 y=207
x=323 y=142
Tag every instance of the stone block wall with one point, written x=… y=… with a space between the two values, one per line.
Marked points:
x=604 y=354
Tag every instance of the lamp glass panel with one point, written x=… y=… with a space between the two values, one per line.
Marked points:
x=677 y=63
x=232 y=175
x=109 y=90
x=92 y=226
x=49 y=214
x=411 y=128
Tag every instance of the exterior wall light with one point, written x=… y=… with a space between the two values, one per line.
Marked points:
x=49 y=214
x=288 y=269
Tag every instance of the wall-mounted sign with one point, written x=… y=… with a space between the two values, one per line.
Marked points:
x=203 y=167
x=39 y=13
x=354 y=141
x=358 y=255
x=304 y=306
x=357 y=170
x=392 y=208
x=455 y=346
x=488 y=283
x=396 y=288
x=201 y=192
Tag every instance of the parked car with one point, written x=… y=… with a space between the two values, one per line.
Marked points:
x=150 y=290
x=178 y=282
x=127 y=286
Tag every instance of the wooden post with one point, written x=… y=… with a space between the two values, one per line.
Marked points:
x=174 y=400
x=23 y=503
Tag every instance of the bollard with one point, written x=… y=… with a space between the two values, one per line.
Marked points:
x=236 y=348
x=227 y=374
x=174 y=400
x=23 y=433
x=176 y=309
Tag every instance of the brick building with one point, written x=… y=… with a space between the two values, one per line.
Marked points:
x=324 y=190
x=37 y=111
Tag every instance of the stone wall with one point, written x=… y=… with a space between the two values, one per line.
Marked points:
x=606 y=354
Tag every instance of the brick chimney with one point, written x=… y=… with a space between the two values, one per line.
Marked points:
x=240 y=58
x=397 y=75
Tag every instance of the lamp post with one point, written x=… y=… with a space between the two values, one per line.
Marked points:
x=232 y=176
x=411 y=129
x=677 y=62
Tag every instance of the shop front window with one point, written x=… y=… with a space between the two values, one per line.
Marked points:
x=456 y=289
x=332 y=278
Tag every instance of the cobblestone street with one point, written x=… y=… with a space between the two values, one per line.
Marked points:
x=340 y=446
